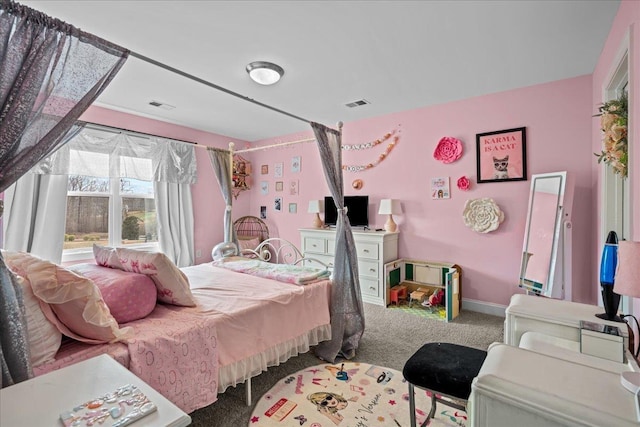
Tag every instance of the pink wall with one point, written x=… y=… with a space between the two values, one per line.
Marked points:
x=208 y=204
x=626 y=23
x=558 y=120
x=558 y=117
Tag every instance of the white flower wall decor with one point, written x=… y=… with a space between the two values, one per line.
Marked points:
x=482 y=215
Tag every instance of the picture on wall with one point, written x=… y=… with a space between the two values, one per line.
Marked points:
x=502 y=155
x=294 y=187
x=293 y=208
x=296 y=164
x=277 y=204
x=278 y=170
x=264 y=188
x=440 y=188
x=264 y=169
x=263 y=212
x=279 y=185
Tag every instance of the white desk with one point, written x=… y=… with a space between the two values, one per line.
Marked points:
x=550 y=316
x=40 y=400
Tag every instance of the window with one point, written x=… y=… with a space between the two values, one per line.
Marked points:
x=107 y=211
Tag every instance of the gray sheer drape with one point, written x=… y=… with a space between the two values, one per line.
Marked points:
x=347 y=315
x=221 y=164
x=50 y=72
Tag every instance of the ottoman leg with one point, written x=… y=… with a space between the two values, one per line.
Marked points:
x=412 y=406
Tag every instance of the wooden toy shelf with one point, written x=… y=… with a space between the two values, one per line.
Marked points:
x=403 y=277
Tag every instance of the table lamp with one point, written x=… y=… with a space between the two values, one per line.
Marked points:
x=389 y=207
x=627 y=283
x=608 y=264
x=316 y=207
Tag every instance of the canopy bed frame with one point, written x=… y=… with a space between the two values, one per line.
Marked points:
x=18 y=156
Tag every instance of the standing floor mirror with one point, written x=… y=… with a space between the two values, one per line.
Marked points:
x=541 y=268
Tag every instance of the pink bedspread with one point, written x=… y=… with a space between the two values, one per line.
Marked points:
x=253 y=314
x=172 y=351
x=178 y=350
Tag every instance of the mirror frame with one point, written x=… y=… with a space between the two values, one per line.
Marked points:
x=546 y=289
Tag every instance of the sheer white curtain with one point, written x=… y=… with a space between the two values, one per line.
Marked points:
x=35 y=210
x=34 y=215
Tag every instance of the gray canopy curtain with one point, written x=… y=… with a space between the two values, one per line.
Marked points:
x=50 y=72
x=347 y=315
x=221 y=163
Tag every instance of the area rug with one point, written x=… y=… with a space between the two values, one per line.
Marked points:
x=346 y=395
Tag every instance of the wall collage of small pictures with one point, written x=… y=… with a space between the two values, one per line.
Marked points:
x=292 y=189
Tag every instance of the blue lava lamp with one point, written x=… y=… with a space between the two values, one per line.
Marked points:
x=608 y=265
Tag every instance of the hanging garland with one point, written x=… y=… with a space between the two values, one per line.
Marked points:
x=367 y=145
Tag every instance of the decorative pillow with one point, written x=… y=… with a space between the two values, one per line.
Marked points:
x=248 y=242
x=171 y=283
x=71 y=302
x=44 y=337
x=129 y=296
x=106 y=256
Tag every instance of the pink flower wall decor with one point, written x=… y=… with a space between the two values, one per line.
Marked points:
x=448 y=150
x=463 y=183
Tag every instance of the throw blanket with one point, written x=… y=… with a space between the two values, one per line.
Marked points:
x=287 y=273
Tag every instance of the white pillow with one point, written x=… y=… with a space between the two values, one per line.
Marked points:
x=44 y=337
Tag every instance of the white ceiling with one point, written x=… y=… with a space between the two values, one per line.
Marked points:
x=399 y=55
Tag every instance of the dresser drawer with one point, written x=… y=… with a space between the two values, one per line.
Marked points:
x=369 y=287
x=331 y=246
x=315 y=245
x=367 y=250
x=368 y=268
x=318 y=261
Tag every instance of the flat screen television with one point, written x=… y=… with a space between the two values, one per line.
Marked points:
x=357 y=210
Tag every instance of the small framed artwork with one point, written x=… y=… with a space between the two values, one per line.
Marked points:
x=293 y=208
x=294 y=187
x=264 y=169
x=440 y=188
x=502 y=155
x=296 y=164
x=264 y=188
x=278 y=170
x=279 y=185
x=263 y=212
x=277 y=204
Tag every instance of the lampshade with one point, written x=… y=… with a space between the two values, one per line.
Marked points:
x=628 y=272
x=316 y=206
x=389 y=207
x=265 y=73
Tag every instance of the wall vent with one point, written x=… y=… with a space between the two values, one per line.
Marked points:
x=357 y=103
x=162 y=105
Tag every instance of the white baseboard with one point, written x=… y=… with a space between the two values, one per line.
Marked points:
x=484 y=307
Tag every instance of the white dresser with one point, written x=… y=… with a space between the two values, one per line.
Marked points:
x=374 y=249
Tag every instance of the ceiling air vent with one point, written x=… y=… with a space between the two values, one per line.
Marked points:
x=162 y=105
x=357 y=103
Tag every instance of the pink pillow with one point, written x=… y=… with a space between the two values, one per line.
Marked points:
x=44 y=337
x=129 y=296
x=171 y=283
x=71 y=302
x=106 y=256
x=248 y=242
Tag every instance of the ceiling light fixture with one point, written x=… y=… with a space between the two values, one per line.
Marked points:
x=264 y=73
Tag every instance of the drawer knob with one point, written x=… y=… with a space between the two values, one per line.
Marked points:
x=372 y=288
x=373 y=270
x=366 y=251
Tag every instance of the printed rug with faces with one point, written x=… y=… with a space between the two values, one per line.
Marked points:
x=347 y=395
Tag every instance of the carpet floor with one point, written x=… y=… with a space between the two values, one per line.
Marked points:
x=390 y=338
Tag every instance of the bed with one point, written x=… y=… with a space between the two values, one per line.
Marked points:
x=190 y=354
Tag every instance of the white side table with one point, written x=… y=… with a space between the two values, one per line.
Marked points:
x=550 y=316
x=40 y=400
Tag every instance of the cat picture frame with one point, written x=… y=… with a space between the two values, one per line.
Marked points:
x=502 y=155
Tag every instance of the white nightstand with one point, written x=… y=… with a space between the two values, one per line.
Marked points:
x=40 y=400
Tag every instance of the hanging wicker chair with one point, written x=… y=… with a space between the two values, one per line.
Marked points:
x=248 y=227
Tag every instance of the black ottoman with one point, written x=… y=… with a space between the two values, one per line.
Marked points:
x=444 y=369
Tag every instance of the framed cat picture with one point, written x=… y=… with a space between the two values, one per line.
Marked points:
x=502 y=155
